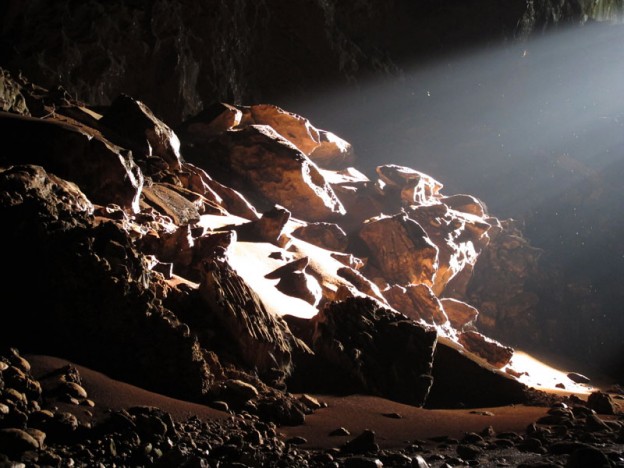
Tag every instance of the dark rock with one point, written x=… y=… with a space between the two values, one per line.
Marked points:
x=363 y=443
x=459 y=313
x=297 y=440
x=586 y=457
x=355 y=343
x=362 y=462
x=418 y=302
x=469 y=451
x=601 y=403
x=104 y=172
x=341 y=431
x=261 y=340
x=14 y=441
x=135 y=127
x=269 y=228
x=459 y=378
x=578 y=378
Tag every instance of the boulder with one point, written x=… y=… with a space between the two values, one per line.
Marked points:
x=400 y=249
x=261 y=164
x=361 y=283
x=329 y=236
x=418 y=302
x=356 y=344
x=262 y=340
x=293 y=281
x=459 y=238
x=492 y=351
x=459 y=313
x=104 y=172
x=269 y=228
x=461 y=381
x=134 y=126
x=332 y=152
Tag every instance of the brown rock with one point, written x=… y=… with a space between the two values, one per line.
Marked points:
x=332 y=152
x=301 y=285
x=169 y=201
x=264 y=166
x=418 y=302
x=348 y=259
x=15 y=441
x=601 y=403
x=269 y=228
x=465 y=204
x=134 y=126
x=491 y=350
x=329 y=236
x=459 y=238
x=215 y=119
x=294 y=128
x=401 y=249
x=459 y=313
x=197 y=180
x=414 y=187
x=361 y=283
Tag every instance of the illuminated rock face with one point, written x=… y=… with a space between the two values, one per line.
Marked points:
x=170 y=261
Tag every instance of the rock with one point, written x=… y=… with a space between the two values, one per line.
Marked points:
x=363 y=443
x=329 y=236
x=577 y=378
x=355 y=343
x=293 y=281
x=341 y=431
x=491 y=350
x=73 y=390
x=14 y=442
x=418 y=302
x=269 y=170
x=594 y=424
x=240 y=390
x=152 y=422
x=361 y=283
x=400 y=249
x=332 y=152
x=465 y=204
x=459 y=313
x=601 y=403
x=362 y=462
x=413 y=186
x=269 y=228
x=38 y=435
x=213 y=120
x=104 y=172
x=261 y=340
x=169 y=201
x=459 y=237
x=588 y=456
x=297 y=440
x=461 y=381
x=310 y=401
x=135 y=127
x=469 y=451
x=348 y=260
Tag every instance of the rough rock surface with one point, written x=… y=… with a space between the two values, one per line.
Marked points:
x=356 y=343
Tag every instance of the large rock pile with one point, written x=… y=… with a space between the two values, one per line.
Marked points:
x=234 y=257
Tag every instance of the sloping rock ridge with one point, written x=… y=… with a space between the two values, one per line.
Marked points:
x=229 y=260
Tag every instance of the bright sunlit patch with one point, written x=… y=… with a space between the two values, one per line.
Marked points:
x=539 y=375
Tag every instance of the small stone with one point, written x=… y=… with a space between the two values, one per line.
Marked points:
x=297 y=440
x=341 y=431
x=241 y=389
x=3 y=366
x=73 y=390
x=38 y=435
x=220 y=405
x=578 y=378
x=310 y=401
x=469 y=451
x=392 y=415
x=362 y=462
x=419 y=462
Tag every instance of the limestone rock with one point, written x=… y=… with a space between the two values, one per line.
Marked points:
x=293 y=281
x=105 y=173
x=137 y=128
x=418 y=302
x=491 y=350
x=294 y=128
x=332 y=152
x=261 y=164
x=414 y=186
x=459 y=313
x=401 y=249
x=460 y=238
x=329 y=236
x=262 y=340
x=269 y=228
x=355 y=344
